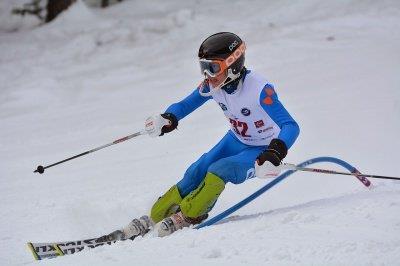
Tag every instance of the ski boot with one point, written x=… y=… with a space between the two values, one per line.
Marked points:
x=135 y=228
x=176 y=222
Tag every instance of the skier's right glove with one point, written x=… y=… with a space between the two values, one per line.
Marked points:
x=158 y=125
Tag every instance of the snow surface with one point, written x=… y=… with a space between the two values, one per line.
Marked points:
x=94 y=75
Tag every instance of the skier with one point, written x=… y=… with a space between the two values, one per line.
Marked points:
x=261 y=133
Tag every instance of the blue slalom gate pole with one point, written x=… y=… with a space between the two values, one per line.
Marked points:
x=274 y=182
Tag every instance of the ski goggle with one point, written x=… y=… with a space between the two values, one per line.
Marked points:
x=214 y=67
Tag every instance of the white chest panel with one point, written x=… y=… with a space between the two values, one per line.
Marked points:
x=249 y=121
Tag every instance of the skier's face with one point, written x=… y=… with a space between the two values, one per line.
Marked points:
x=217 y=80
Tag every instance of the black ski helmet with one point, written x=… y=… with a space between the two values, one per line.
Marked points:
x=220 y=46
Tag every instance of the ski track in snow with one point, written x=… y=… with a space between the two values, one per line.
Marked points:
x=92 y=76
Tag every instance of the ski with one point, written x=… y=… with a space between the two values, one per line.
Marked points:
x=55 y=249
x=137 y=227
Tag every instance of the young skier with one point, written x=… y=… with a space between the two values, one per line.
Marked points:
x=261 y=133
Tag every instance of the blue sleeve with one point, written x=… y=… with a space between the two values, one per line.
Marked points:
x=270 y=103
x=187 y=105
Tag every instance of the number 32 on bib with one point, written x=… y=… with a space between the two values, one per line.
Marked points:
x=240 y=127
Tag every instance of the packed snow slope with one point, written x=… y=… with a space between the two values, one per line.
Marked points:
x=92 y=76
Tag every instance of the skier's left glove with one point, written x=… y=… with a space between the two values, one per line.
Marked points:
x=268 y=163
x=158 y=125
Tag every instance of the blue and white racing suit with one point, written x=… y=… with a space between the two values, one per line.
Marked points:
x=256 y=117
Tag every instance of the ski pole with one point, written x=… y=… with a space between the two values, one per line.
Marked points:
x=293 y=167
x=40 y=169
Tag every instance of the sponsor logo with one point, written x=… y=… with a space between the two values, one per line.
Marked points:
x=264 y=130
x=233 y=45
x=250 y=173
x=259 y=123
x=269 y=91
x=245 y=111
x=223 y=106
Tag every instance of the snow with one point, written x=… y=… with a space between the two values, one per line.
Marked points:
x=94 y=75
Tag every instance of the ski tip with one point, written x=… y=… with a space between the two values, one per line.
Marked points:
x=33 y=251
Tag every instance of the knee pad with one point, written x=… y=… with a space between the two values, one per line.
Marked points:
x=201 y=200
x=166 y=205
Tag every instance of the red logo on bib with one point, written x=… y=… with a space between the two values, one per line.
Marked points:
x=259 y=123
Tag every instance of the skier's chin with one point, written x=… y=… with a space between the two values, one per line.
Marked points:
x=216 y=82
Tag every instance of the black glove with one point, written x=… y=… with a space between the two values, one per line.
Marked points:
x=275 y=153
x=173 y=125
